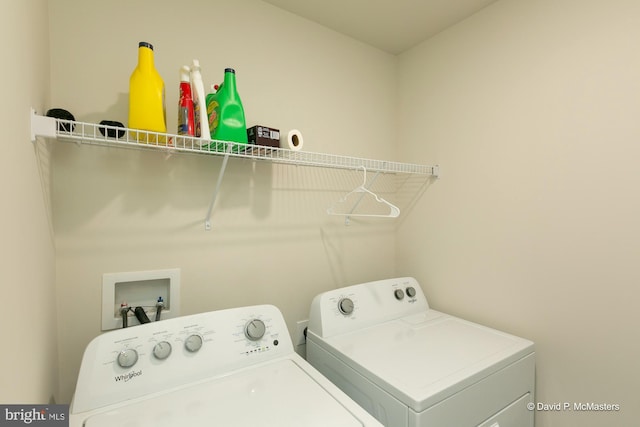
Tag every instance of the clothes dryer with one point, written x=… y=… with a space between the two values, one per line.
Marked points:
x=411 y=366
x=233 y=367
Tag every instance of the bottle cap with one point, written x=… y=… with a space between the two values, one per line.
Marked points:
x=229 y=70
x=145 y=44
x=184 y=73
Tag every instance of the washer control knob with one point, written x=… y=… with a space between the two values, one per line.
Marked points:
x=193 y=343
x=162 y=350
x=411 y=291
x=345 y=305
x=127 y=358
x=399 y=294
x=254 y=329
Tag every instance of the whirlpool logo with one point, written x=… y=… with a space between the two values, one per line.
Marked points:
x=128 y=376
x=41 y=415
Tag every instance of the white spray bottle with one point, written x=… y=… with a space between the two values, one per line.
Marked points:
x=199 y=105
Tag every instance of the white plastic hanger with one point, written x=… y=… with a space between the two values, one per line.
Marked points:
x=394 y=211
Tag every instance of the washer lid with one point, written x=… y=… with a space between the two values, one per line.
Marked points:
x=278 y=394
x=425 y=358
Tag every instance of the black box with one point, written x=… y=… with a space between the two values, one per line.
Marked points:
x=262 y=135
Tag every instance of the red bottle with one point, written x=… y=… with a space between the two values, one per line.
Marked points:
x=186 y=118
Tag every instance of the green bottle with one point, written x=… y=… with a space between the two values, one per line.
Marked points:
x=228 y=112
x=213 y=108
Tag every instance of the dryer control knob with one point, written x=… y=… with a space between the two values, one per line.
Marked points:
x=399 y=294
x=345 y=305
x=411 y=291
x=254 y=329
x=127 y=358
x=193 y=343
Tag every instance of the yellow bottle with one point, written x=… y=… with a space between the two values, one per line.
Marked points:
x=146 y=98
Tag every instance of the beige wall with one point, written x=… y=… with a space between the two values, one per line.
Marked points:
x=27 y=258
x=531 y=108
x=123 y=210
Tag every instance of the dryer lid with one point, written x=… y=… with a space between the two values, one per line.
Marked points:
x=424 y=358
x=277 y=394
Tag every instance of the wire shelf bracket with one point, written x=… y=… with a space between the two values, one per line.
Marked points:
x=207 y=220
x=42 y=126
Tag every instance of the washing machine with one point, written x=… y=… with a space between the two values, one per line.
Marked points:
x=411 y=366
x=234 y=367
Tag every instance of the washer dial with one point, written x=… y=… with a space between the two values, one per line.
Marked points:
x=399 y=294
x=345 y=305
x=411 y=291
x=162 y=350
x=193 y=343
x=254 y=329
x=127 y=358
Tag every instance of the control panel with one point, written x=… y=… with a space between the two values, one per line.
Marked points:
x=358 y=306
x=132 y=362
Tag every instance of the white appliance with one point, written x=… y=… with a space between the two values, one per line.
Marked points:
x=233 y=367
x=412 y=366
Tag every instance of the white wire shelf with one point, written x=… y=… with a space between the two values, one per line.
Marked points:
x=112 y=136
x=95 y=134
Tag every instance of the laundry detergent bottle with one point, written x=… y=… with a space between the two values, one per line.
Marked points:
x=213 y=108
x=147 y=98
x=229 y=112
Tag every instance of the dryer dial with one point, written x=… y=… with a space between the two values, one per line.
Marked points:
x=127 y=358
x=411 y=291
x=254 y=329
x=399 y=294
x=345 y=305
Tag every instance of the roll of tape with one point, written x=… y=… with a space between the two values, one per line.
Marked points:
x=294 y=140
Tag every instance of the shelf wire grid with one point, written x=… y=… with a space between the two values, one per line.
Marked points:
x=105 y=135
